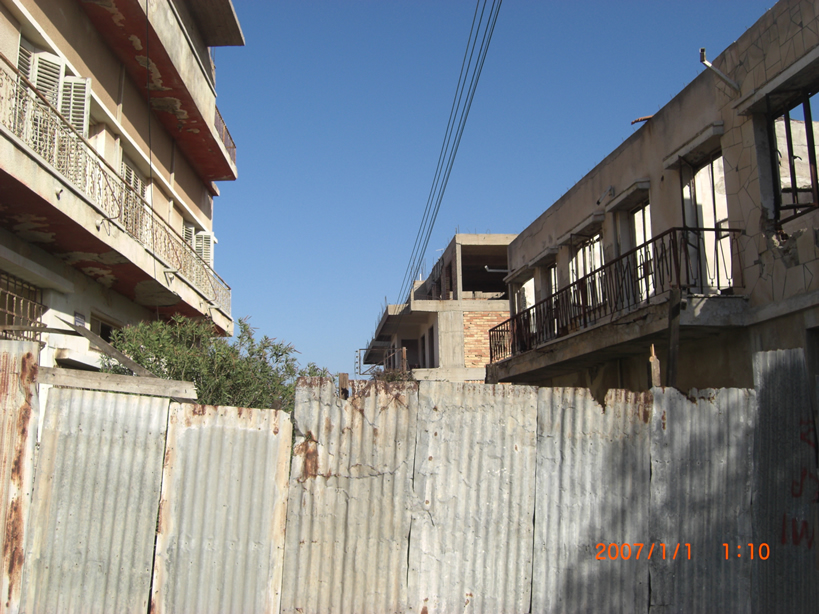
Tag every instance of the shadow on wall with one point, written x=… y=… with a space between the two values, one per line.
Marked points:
x=730 y=470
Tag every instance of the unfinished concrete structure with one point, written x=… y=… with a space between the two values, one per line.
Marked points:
x=698 y=235
x=110 y=144
x=444 y=324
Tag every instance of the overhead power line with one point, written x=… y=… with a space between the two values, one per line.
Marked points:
x=480 y=35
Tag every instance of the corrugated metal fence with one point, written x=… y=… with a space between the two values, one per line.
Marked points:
x=421 y=498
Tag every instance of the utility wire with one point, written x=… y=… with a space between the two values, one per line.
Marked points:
x=470 y=72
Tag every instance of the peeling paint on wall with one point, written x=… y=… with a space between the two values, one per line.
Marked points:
x=156 y=76
x=116 y=16
x=108 y=258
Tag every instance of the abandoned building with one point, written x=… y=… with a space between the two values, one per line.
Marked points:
x=110 y=144
x=698 y=236
x=440 y=333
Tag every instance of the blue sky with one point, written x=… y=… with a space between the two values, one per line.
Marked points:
x=338 y=110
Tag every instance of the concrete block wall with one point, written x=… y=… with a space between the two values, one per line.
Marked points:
x=476 y=335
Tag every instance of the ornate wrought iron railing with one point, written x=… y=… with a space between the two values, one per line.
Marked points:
x=696 y=260
x=34 y=120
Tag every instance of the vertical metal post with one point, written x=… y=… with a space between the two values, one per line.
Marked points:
x=403 y=359
x=774 y=154
x=791 y=163
x=814 y=183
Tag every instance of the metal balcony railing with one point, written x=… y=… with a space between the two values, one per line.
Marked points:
x=696 y=260
x=26 y=113
x=224 y=134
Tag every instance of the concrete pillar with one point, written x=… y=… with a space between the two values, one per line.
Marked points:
x=458 y=289
x=451 y=339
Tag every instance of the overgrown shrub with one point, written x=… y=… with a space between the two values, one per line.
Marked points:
x=243 y=372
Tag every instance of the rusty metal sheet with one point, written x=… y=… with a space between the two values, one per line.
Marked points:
x=220 y=542
x=96 y=495
x=348 y=521
x=470 y=548
x=786 y=486
x=592 y=488
x=19 y=411
x=702 y=460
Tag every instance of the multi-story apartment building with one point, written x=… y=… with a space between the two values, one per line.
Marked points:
x=698 y=236
x=110 y=147
x=440 y=333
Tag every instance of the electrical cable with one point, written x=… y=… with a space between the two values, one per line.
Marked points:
x=150 y=142
x=452 y=139
x=453 y=135
x=431 y=196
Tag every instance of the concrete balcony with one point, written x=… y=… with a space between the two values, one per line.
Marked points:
x=57 y=193
x=621 y=308
x=171 y=41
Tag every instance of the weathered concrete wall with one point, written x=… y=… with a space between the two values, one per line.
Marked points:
x=9 y=34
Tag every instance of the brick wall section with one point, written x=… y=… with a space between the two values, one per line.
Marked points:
x=476 y=335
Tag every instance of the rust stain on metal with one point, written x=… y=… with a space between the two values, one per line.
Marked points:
x=13 y=545
x=308 y=449
x=28 y=373
x=424 y=610
x=20 y=445
x=199 y=410
x=4 y=381
x=644 y=407
x=663 y=419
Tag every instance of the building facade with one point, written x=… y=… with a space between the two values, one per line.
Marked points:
x=110 y=147
x=697 y=237
x=441 y=332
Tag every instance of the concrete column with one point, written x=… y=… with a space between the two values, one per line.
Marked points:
x=458 y=289
x=564 y=256
x=451 y=338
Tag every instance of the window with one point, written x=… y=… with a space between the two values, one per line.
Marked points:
x=135 y=216
x=203 y=246
x=69 y=94
x=588 y=257
x=791 y=134
x=587 y=290
x=103 y=327
x=551 y=276
x=644 y=256
x=705 y=208
x=21 y=304
x=202 y=242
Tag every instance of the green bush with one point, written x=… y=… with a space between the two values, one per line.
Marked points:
x=244 y=372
